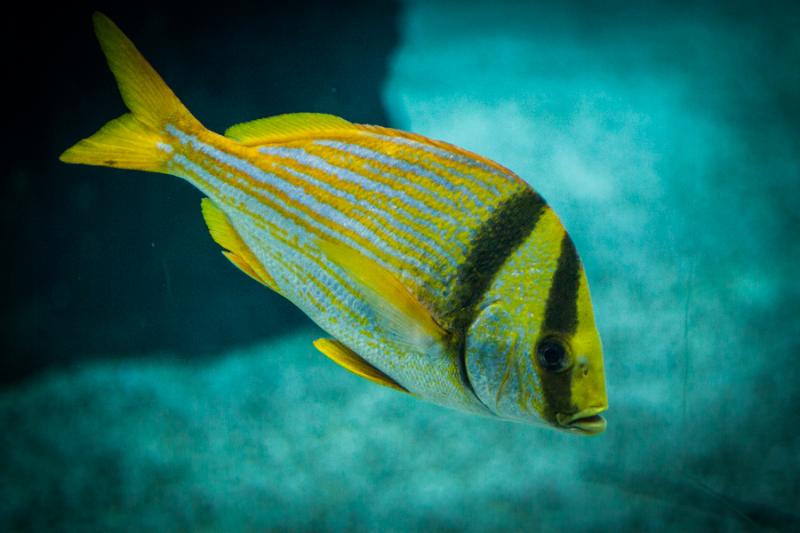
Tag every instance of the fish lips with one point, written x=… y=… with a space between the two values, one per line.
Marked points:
x=587 y=421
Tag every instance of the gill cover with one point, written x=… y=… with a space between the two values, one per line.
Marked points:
x=499 y=369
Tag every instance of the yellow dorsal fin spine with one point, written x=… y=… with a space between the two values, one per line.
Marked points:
x=270 y=129
x=134 y=140
x=347 y=358
x=237 y=252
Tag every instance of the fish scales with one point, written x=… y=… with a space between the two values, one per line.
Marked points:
x=464 y=218
x=394 y=248
x=391 y=226
x=331 y=291
x=238 y=187
x=328 y=175
x=250 y=201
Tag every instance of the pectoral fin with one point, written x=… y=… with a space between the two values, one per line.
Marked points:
x=403 y=316
x=353 y=362
x=237 y=252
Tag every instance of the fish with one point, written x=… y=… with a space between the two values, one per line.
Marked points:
x=436 y=272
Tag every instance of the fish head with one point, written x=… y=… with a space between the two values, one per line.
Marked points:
x=526 y=366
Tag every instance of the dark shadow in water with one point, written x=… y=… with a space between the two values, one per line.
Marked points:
x=107 y=262
x=683 y=489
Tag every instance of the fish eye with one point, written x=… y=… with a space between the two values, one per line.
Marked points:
x=552 y=354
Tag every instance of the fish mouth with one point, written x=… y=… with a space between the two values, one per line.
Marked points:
x=586 y=422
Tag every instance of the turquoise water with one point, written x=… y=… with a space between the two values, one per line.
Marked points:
x=667 y=140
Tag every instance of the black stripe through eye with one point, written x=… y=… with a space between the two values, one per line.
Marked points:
x=561 y=312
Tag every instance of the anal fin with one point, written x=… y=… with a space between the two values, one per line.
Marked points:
x=344 y=356
x=236 y=251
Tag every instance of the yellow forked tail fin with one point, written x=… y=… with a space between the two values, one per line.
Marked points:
x=133 y=140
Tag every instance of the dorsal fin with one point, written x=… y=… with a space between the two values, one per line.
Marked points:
x=265 y=130
x=347 y=358
x=237 y=252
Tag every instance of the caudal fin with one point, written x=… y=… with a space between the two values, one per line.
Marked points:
x=134 y=140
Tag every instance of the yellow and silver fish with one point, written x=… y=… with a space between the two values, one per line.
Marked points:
x=437 y=272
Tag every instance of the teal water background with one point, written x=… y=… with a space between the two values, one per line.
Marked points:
x=667 y=138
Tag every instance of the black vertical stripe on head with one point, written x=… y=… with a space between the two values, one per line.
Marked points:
x=495 y=240
x=561 y=311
